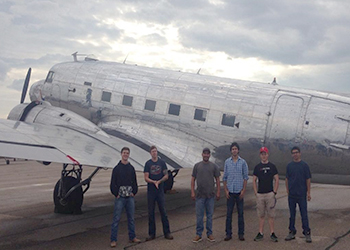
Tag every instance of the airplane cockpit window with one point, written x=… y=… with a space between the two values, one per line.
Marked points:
x=127 y=100
x=174 y=109
x=228 y=120
x=49 y=76
x=87 y=83
x=150 y=105
x=106 y=96
x=200 y=114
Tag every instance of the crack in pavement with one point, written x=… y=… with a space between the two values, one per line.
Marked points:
x=337 y=240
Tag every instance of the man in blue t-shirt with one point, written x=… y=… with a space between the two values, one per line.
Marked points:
x=298 y=185
x=156 y=173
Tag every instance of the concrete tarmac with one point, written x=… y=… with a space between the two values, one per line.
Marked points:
x=27 y=220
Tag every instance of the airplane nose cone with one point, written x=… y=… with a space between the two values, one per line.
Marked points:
x=35 y=91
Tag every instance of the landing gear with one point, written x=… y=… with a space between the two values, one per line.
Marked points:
x=68 y=193
x=72 y=204
x=169 y=183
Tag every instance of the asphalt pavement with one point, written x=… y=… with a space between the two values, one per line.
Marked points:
x=27 y=220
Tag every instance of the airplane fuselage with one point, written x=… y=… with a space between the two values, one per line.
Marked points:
x=182 y=113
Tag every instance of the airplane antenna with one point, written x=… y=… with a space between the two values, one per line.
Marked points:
x=274 y=82
x=199 y=71
x=75 y=56
x=87 y=57
x=125 y=58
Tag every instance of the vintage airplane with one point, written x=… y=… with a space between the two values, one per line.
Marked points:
x=85 y=111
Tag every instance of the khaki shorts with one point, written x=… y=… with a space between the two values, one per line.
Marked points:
x=265 y=203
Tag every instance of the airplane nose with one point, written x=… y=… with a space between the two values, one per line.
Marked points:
x=35 y=91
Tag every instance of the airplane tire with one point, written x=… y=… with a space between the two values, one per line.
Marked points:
x=7 y=162
x=73 y=203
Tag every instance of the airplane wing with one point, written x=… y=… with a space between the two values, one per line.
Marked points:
x=63 y=145
x=177 y=148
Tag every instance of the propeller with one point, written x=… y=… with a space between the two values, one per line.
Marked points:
x=25 y=85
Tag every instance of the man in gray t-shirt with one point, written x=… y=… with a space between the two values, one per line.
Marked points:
x=206 y=173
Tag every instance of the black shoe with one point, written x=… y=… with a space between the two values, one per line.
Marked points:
x=290 y=236
x=273 y=237
x=150 y=237
x=259 y=237
x=227 y=238
x=168 y=236
x=308 y=237
x=241 y=237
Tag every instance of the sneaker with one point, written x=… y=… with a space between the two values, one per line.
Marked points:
x=135 y=240
x=273 y=237
x=308 y=238
x=150 y=237
x=168 y=237
x=211 y=238
x=241 y=237
x=197 y=239
x=290 y=236
x=259 y=237
x=113 y=244
x=227 y=238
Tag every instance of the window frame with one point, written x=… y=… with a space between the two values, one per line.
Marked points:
x=152 y=103
x=225 y=120
x=203 y=115
x=103 y=96
x=127 y=100
x=174 y=109
x=49 y=77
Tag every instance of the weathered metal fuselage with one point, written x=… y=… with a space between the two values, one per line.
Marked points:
x=182 y=112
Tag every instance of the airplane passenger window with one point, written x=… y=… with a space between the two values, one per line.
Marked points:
x=228 y=120
x=127 y=100
x=200 y=114
x=49 y=76
x=150 y=105
x=87 y=83
x=174 y=109
x=106 y=96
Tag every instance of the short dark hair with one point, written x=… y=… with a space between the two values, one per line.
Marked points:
x=295 y=148
x=206 y=150
x=152 y=147
x=234 y=144
x=125 y=148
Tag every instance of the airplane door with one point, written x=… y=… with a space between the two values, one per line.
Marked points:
x=329 y=122
x=286 y=118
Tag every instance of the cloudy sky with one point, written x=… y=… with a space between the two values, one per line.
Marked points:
x=302 y=43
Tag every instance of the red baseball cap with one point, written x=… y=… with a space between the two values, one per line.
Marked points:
x=264 y=149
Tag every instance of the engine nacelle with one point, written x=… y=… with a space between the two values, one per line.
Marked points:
x=44 y=113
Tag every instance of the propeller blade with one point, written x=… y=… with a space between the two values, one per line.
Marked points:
x=25 y=85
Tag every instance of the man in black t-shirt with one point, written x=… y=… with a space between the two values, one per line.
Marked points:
x=265 y=172
x=156 y=173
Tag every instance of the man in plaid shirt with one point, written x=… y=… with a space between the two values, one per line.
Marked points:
x=235 y=182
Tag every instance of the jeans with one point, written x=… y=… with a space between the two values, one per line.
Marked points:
x=234 y=198
x=119 y=204
x=302 y=202
x=152 y=198
x=206 y=204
